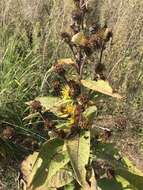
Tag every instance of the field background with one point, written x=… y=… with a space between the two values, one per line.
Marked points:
x=30 y=42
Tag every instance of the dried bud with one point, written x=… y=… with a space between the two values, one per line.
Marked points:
x=99 y=39
x=83 y=99
x=74 y=88
x=99 y=68
x=57 y=88
x=88 y=51
x=110 y=173
x=48 y=124
x=77 y=3
x=49 y=115
x=8 y=133
x=95 y=42
x=108 y=34
x=107 y=134
x=66 y=37
x=77 y=16
x=60 y=70
x=61 y=134
x=75 y=28
x=36 y=105
x=94 y=28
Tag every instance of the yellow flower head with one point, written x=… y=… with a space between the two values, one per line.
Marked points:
x=70 y=109
x=66 y=92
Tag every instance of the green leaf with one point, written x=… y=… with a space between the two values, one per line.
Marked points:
x=127 y=175
x=90 y=112
x=48 y=101
x=43 y=170
x=131 y=167
x=61 y=178
x=71 y=186
x=109 y=153
x=130 y=176
x=52 y=103
x=79 y=150
x=106 y=184
x=100 y=86
x=58 y=161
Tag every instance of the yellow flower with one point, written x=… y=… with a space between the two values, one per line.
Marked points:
x=66 y=92
x=70 y=109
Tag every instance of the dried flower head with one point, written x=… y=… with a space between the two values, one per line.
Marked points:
x=36 y=105
x=66 y=37
x=77 y=16
x=8 y=133
x=74 y=88
x=59 y=70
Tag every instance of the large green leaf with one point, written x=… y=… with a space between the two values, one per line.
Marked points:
x=53 y=104
x=79 y=150
x=130 y=177
x=49 y=161
x=48 y=101
x=100 y=86
x=58 y=161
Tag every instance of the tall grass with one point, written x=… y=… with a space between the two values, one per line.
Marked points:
x=29 y=44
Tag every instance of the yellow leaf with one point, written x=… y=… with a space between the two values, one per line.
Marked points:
x=79 y=39
x=101 y=86
x=67 y=61
x=27 y=165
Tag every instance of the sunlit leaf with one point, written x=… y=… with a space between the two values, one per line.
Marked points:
x=48 y=102
x=58 y=161
x=61 y=178
x=27 y=165
x=101 y=86
x=67 y=61
x=49 y=161
x=79 y=149
x=131 y=167
x=79 y=39
x=93 y=182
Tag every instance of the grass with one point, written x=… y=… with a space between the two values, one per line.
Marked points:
x=28 y=47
